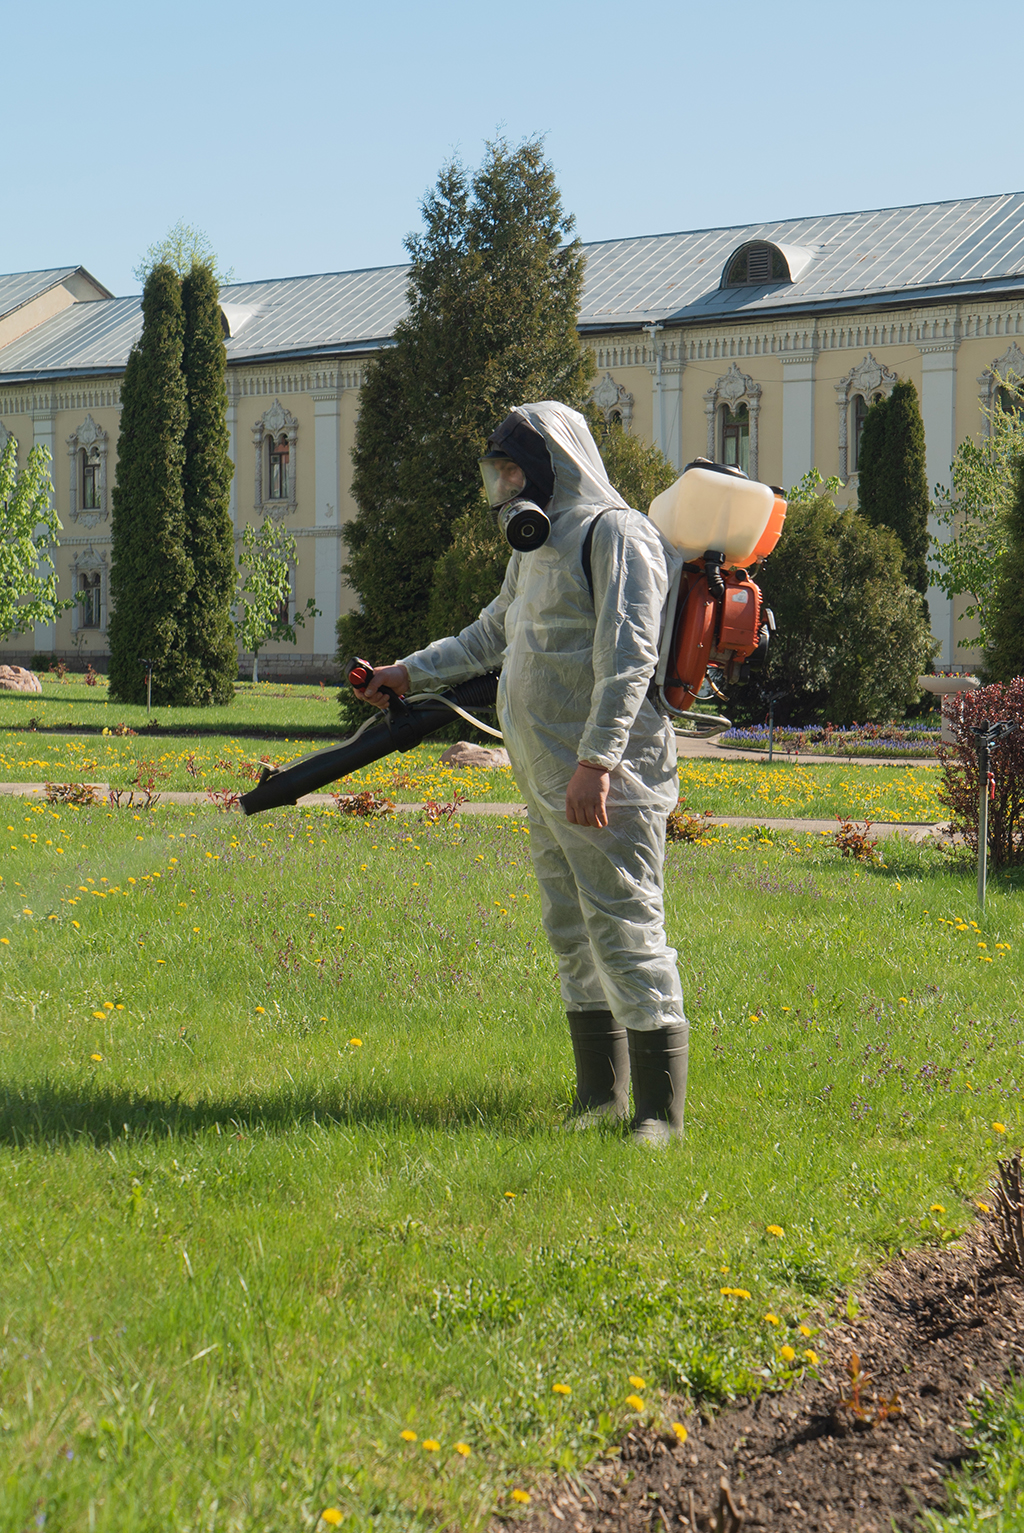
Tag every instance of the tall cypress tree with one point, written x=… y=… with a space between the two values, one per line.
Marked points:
x=892 y=482
x=209 y=635
x=493 y=297
x=151 y=574
x=1004 y=658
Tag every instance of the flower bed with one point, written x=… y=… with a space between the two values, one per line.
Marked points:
x=895 y=739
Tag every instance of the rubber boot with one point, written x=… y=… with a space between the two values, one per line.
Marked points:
x=602 y=1068
x=657 y=1062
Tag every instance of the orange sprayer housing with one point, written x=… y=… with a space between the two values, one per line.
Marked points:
x=709 y=630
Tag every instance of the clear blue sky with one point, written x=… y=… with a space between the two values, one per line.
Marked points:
x=301 y=137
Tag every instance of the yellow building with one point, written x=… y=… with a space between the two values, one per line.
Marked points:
x=762 y=345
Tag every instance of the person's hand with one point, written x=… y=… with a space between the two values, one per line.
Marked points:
x=586 y=797
x=394 y=676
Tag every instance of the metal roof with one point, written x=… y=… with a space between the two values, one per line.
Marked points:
x=22 y=286
x=933 y=250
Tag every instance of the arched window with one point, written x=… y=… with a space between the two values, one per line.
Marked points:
x=1010 y=400
x=277 y=467
x=87 y=463
x=735 y=428
x=756 y=264
x=861 y=406
x=89 y=599
x=91 y=489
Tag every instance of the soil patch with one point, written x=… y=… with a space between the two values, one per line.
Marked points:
x=934 y=1328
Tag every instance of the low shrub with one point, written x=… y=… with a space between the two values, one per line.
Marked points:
x=958 y=791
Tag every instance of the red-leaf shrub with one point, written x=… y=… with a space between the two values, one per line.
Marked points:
x=959 y=788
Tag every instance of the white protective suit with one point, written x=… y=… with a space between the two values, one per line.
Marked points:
x=575 y=671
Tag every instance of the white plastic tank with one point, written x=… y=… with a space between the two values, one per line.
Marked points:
x=711 y=507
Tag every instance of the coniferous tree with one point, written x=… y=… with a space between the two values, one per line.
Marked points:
x=1004 y=658
x=209 y=634
x=151 y=574
x=892 y=482
x=493 y=297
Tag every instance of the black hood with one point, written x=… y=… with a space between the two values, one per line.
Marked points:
x=518 y=440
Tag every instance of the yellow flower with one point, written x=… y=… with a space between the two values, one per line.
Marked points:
x=409 y=1437
x=776 y=1230
x=355 y=1043
x=108 y=1005
x=805 y=1330
x=97 y=1057
x=772 y=1319
x=812 y=1357
x=637 y=1382
x=99 y=1014
x=522 y=1496
x=984 y=1207
x=7 y=941
x=561 y=1389
x=431 y=1445
x=74 y=923
x=261 y=1008
x=464 y=1449
x=936 y=1208
x=510 y=1196
x=680 y=1431
x=1000 y=1128
x=635 y=1403
x=332 y=1515
x=787 y=1354
x=734 y=1293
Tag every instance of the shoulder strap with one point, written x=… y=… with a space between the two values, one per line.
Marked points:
x=585 y=556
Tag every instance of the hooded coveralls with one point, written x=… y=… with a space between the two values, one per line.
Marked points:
x=575 y=671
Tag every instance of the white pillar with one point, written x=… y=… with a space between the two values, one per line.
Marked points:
x=797 y=416
x=938 y=411
x=668 y=416
x=44 y=432
x=327 y=543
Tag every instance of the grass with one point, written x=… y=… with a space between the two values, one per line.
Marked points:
x=267 y=709
x=281 y=1175
x=782 y=791
x=990 y=1495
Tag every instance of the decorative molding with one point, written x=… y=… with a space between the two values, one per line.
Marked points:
x=868 y=378
x=732 y=389
x=91 y=440
x=272 y=423
x=612 y=399
x=5 y=437
x=1009 y=365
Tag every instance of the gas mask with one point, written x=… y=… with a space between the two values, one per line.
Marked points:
x=518 y=482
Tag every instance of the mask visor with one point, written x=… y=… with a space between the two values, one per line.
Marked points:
x=503 y=480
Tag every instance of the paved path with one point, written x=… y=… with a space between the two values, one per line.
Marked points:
x=917 y=830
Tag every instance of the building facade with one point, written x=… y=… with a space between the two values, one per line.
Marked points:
x=763 y=346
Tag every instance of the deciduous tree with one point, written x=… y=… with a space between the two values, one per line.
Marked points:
x=264 y=597
x=28 y=533
x=1004 y=656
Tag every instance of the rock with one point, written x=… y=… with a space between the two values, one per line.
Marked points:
x=15 y=678
x=465 y=755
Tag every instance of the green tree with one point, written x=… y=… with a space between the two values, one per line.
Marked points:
x=183 y=248
x=263 y=598
x=892 y=482
x=209 y=537
x=493 y=295
x=151 y=574
x=1004 y=655
x=28 y=532
x=972 y=514
x=852 y=637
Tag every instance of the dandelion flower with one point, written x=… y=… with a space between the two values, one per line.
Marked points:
x=805 y=1330
x=522 y=1496
x=936 y=1208
x=355 y=1043
x=1000 y=1128
x=635 y=1403
x=734 y=1293
x=431 y=1444
x=772 y=1319
x=409 y=1437
x=510 y=1196
x=787 y=1354
x=98 y=1058
x=637 y=1382
x=100 y=1014
x=108 y=1005
x=680 y=1431
x=261 y=1008
x=561 y=1389
x=776 y=1230
x=331 y=1515
x=7 y=941
x=812 y=1357
x=464 y=1449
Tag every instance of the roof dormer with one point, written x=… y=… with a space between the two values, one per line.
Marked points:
x=759 y=263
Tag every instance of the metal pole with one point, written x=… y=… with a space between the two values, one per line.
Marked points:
x=982 y=820
x=149 y=689
x=771 y=727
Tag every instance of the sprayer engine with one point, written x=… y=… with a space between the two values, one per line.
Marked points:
x=720 y=620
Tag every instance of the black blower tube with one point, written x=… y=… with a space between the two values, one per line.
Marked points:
x=402 y=727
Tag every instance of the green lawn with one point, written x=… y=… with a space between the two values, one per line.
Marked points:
x=270 y=707
x=282 y=1177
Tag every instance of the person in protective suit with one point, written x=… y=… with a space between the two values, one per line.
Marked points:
x=593 y=757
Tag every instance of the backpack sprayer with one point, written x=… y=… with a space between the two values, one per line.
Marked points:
x=723 y=524
x=718 y=519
